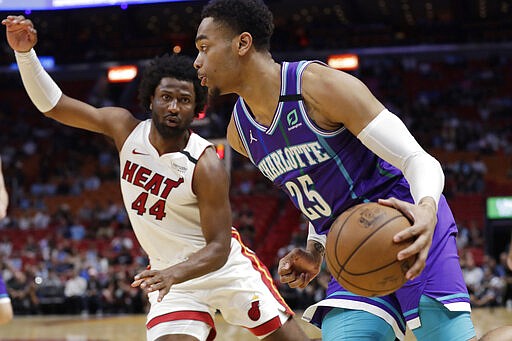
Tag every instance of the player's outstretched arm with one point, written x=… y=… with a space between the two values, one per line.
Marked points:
x=48 y=97
x=211 y=185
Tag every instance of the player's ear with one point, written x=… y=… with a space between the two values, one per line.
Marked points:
x=244 y=43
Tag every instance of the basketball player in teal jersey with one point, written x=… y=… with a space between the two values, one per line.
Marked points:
x=322 y=137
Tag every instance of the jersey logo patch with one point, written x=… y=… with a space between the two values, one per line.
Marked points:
x=293 y=120
x=254 y=312
x=179 y=168
x=134 y=151
x=252 y=137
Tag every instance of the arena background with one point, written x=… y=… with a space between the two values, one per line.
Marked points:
x=444 y=67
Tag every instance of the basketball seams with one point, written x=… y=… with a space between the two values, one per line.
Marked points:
x=361 y=244
x=356 y=209
x=363 y=283
x=354 y=251
x=369 y=236
x=370 y=271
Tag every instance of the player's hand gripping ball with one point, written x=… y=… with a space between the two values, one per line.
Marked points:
x=360 y=251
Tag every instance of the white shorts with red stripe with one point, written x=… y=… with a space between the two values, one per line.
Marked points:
x=242 y=290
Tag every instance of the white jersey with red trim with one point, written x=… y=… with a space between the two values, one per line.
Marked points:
x=242 y=290
x=164 y=212
x=158 y=196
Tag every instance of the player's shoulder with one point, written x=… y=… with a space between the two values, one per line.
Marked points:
x=121 y=124
x=198 y=150
x=197 y=144
x=116 y=119
x=319 y=71
x=322 y=80
x=209 y=168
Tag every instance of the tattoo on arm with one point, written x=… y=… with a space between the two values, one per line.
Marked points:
x=319 y=248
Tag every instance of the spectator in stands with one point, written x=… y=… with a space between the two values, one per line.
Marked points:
x=490 y=292
x=31 y=248
x=5 y=246
x=77 y=230
x=86 y=212
x=22 y=292
x=41 y=218
x=75 y=289
x=479 y=166
x=94 y=294
x=50 y=293
x=473 y=274
x=476 y=238
x=462 y=236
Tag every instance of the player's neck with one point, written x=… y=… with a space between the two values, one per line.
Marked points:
x=165 y=145
x=261 y=87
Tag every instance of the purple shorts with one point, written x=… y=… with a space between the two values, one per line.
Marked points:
x=3 y=291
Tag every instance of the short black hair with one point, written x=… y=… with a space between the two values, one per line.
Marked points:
x=174 y=66
x=251 y=16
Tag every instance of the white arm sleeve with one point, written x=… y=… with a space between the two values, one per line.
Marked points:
x=388 y=137
x=41 y=88
x=312 y=235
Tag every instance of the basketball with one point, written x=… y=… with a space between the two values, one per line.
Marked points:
x=361 y=254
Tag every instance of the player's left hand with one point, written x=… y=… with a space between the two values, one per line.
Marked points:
x=153 y=280
x=424 y=218
x=298 y=268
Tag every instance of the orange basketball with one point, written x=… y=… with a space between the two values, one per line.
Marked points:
x=360 y=251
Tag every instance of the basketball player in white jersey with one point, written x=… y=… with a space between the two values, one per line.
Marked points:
x=175 y=190
x=6 y=312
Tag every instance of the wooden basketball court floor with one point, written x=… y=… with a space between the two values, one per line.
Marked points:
x=131 y=327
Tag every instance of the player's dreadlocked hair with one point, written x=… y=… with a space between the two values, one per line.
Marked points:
x=175 y=66
x=251 y=16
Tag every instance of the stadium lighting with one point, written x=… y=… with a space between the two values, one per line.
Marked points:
x=120 y=74
x=347 y=62
x=29 y=5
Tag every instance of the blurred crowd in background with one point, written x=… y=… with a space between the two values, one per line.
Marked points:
x=67 y=245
